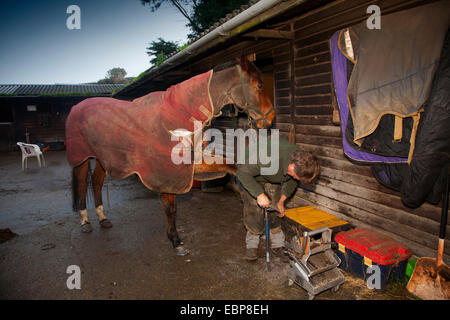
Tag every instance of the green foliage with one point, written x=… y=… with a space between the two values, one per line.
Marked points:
x=63 y=94
x=116 y=73
x=208 y=12
x=159 y=49
x=114 y=76
x=184 y=46
x=201 y=14
x=183 y=6
x=139 y=76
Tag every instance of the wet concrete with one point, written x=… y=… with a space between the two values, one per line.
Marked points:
x=134 y=259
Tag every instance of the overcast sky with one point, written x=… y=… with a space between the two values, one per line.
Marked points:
x=38 y=48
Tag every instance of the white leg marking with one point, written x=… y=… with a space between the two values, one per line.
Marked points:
x=100 y=211
x=84 y=216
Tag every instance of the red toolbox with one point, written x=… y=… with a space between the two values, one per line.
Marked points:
x=360 y=249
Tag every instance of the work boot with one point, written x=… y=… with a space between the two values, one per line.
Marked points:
x=280 y=253
x=251 y=254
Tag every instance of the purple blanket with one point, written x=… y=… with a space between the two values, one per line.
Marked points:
x=339 y=66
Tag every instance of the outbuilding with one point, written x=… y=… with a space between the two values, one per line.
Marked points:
x=289 y=42
x=37 y=113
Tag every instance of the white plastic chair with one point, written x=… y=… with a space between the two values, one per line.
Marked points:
x=30 y=150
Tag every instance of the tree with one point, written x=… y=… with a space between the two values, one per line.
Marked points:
x=159 y=49
x=182 y=5
x=115 y=75
x=208 y=12
x=201 y=14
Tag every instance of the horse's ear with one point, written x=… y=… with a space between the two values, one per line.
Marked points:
x=243 y=61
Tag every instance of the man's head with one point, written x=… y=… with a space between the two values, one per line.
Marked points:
x=304 y=167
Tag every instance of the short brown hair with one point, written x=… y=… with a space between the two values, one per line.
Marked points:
x=306 y=166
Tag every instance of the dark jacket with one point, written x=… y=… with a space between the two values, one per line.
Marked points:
x=250 y=174
x=428 y=171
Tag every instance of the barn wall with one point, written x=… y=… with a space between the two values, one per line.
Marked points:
x=345 y=189
x=303 y=101
x=47 y=124
x=304 y=106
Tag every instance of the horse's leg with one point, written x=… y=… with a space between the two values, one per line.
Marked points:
x=97 y=182
x=170 y=208
x=79 y=189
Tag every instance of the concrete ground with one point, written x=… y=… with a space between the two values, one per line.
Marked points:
x=134 y=259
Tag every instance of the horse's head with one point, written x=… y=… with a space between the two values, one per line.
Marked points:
x=241 y=85
x=249 y=95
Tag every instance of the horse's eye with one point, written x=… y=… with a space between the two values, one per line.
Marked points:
x=260 y=85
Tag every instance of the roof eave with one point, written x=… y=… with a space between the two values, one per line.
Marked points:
x=247 y=19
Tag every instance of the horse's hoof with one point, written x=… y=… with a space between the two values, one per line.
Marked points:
x=86 y=227
x=105 y=223
x=181 y=251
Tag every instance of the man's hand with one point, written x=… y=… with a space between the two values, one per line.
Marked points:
x=280 y=206
x=263 y=201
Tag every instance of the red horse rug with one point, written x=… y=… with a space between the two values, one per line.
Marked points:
x=135 y=137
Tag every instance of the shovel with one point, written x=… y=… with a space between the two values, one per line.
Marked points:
x=431 y=277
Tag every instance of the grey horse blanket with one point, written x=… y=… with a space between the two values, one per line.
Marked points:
x=395 y=65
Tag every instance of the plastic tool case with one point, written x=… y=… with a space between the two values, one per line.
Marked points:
x=361 y=248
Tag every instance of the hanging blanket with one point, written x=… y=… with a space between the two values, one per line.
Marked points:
x=428 y=170
x=339 y=66
x=395 y=65
x=134 y=137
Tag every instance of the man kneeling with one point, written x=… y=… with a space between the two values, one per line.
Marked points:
x=294 y=166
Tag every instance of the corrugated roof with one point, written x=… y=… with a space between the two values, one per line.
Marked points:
x=56 y=89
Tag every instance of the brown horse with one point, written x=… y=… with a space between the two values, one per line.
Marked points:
x=237 y=82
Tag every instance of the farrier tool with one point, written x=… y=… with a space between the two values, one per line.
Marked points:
x=266 y=221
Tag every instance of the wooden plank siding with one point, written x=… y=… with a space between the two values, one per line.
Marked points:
x=346 y=189
x=303 y=99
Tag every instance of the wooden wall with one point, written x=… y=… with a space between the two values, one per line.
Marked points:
x=345 y=189
x=303 y=99
x=47 y=124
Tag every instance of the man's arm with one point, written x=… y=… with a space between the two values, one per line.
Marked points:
x=287 y=189
x=246 y=175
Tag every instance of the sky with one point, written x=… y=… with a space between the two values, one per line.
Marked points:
x=38 y=48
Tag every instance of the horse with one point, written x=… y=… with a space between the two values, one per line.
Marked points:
x=119 y=144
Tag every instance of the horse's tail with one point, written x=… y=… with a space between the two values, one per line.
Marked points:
x=75 y=195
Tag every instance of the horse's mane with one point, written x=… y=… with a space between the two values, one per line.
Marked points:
x=232 y=63
x=225 y=65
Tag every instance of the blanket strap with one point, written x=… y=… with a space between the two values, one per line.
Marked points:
x=348 y=44
x=398 y=129
x=412 y=141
